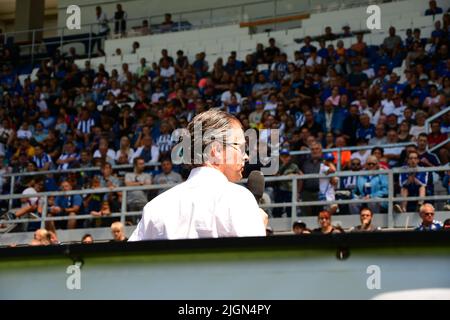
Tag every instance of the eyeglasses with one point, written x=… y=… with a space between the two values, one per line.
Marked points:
x=371 y=164
x=356 y=164
x=428 y=214
x=237 y=146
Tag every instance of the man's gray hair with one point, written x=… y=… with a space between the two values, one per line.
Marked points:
x=213 y=125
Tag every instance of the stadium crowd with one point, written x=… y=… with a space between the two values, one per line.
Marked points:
x=322 y=97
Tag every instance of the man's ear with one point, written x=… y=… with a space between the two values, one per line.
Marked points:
x=213 y=153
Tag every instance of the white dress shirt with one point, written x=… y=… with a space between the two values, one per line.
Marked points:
x=207 y=205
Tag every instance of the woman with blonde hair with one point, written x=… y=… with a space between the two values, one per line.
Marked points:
x=125 y=153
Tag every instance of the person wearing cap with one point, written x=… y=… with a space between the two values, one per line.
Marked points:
x=284 y=191
x=299 y=228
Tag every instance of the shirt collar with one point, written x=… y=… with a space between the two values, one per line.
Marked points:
x=207 y=173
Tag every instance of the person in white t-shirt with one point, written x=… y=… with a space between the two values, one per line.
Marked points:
x=327 y=186
x=209 y=204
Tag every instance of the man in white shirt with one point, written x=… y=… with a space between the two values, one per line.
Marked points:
x=226 y=96
x=209 y=204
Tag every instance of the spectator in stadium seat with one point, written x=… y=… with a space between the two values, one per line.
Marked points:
x=104 y=152
x=125 y=153
x=352 y=125
x=103 y=28
x=65 y=206
x=324 y=219
x=329 y=35
x=307 y=48
x=392 y=43
x=167 y=24
x=413 y=184
x=373 y=186
x=349 y=184
x=29 y=205
x=360 y=47
x=147 y=151
x=68 y=158
x=362 y=154
x=136 y=200
x=392 y=154
x=366 y=130
x=118 y=232
x=42 y=160
x=427 y=212
x=120 y=20
x=41 y=238
x=433 y=9
x=271 y=51
x=283 y=192
x=446 y=226
x=366 y=216
x=87 y=239
x=310 y=188
x=378 y=152
x=299 y=228
x=167 y=176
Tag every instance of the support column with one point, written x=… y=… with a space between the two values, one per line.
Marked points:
x=29 y=15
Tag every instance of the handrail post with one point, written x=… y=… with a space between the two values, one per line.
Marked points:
x=339 y=158
x=123 y=207
x=61 y=40
x=44 y=212
x=391 y=200
x=33 y=39
x=11 y=191
x=211 y=17
x=90 y=42
x=294 y=200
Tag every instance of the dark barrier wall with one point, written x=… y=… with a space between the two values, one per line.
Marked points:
x=358 y=266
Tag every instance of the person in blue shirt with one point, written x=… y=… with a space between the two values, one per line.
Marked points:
x=428 y=223
x=65 y=206
x=374 y=186
x=433 y=9
x=366 y=130
x=412 y=184
x=307 y=48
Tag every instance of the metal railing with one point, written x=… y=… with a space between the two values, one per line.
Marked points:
x=434 y=117
x=294 y=204
x=428 y=131
x=354 y=148
x=198 y=19
x=339 y=151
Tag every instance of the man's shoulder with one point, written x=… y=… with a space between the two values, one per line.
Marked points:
x=238 y=192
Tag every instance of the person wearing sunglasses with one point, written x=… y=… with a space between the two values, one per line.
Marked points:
x=426 y=212
x=373 y=186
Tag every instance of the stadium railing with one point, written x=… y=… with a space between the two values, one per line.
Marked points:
x=206 y=18
x=339 y=151
x=294 y=204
